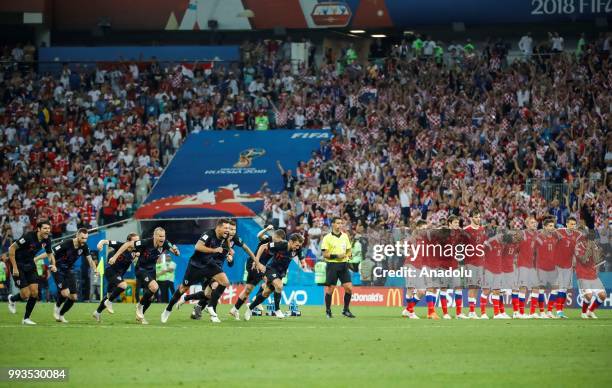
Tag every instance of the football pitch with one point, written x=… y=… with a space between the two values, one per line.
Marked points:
x=378 y=348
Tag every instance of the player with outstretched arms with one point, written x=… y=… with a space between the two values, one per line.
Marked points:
x=276 y=269
x=66 y=254
x=255 y=273
x=149 y=251
x=204 y=266
x=113 y=273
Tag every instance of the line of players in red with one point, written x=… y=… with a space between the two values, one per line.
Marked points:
x=525 y=263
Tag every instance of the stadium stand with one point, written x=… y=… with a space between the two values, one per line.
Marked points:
x=421 y=132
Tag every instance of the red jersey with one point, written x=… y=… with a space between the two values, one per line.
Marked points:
x=585 y=270
x=566 y=247
x=419 y=257
x=526 y=249
x=40 y=202
x=57 y=220
x=493 y=256
x=457 y=238
x=62 y=165
x=438 y=241
x=430 y=256
x=545 y=247
x=476 y=236
x=87 y=213
x=509 y=253
x=239 y=119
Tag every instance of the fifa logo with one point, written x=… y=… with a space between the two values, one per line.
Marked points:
x=394 y=297
x=246 y=157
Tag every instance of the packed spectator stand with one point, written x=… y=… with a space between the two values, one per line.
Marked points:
x=421 y=131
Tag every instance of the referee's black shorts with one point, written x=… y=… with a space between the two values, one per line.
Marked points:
x=335 y=271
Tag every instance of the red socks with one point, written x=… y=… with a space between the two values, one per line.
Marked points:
x=444 y=302
x=534 y=303
x=495 y=300
x=585 y=307
x=483 y=304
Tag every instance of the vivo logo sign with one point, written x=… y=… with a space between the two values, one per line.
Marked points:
x=300 y=297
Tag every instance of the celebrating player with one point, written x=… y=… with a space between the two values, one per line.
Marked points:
x=276 y=270
x=206 y=264
x=114 y=274
x=149 y=250
x=21 y=255
x=66 y=254
x=255 y=273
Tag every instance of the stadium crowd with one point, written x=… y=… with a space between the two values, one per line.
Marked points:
x=419 y=133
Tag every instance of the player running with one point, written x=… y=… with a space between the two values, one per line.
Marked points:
x=206 y=264
x=149 y=251
x=276 y=270
x=114 y=274
x=255 y=273
x=21 y=256
x=66 y=254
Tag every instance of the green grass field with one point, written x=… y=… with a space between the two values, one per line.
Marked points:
x=379 y=348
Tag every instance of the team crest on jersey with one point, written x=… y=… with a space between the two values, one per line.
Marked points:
x=80 y=251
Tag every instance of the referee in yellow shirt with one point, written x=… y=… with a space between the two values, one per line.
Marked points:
x=336 y=248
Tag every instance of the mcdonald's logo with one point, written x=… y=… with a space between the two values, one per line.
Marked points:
x=336 y=297
x=394 y=297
